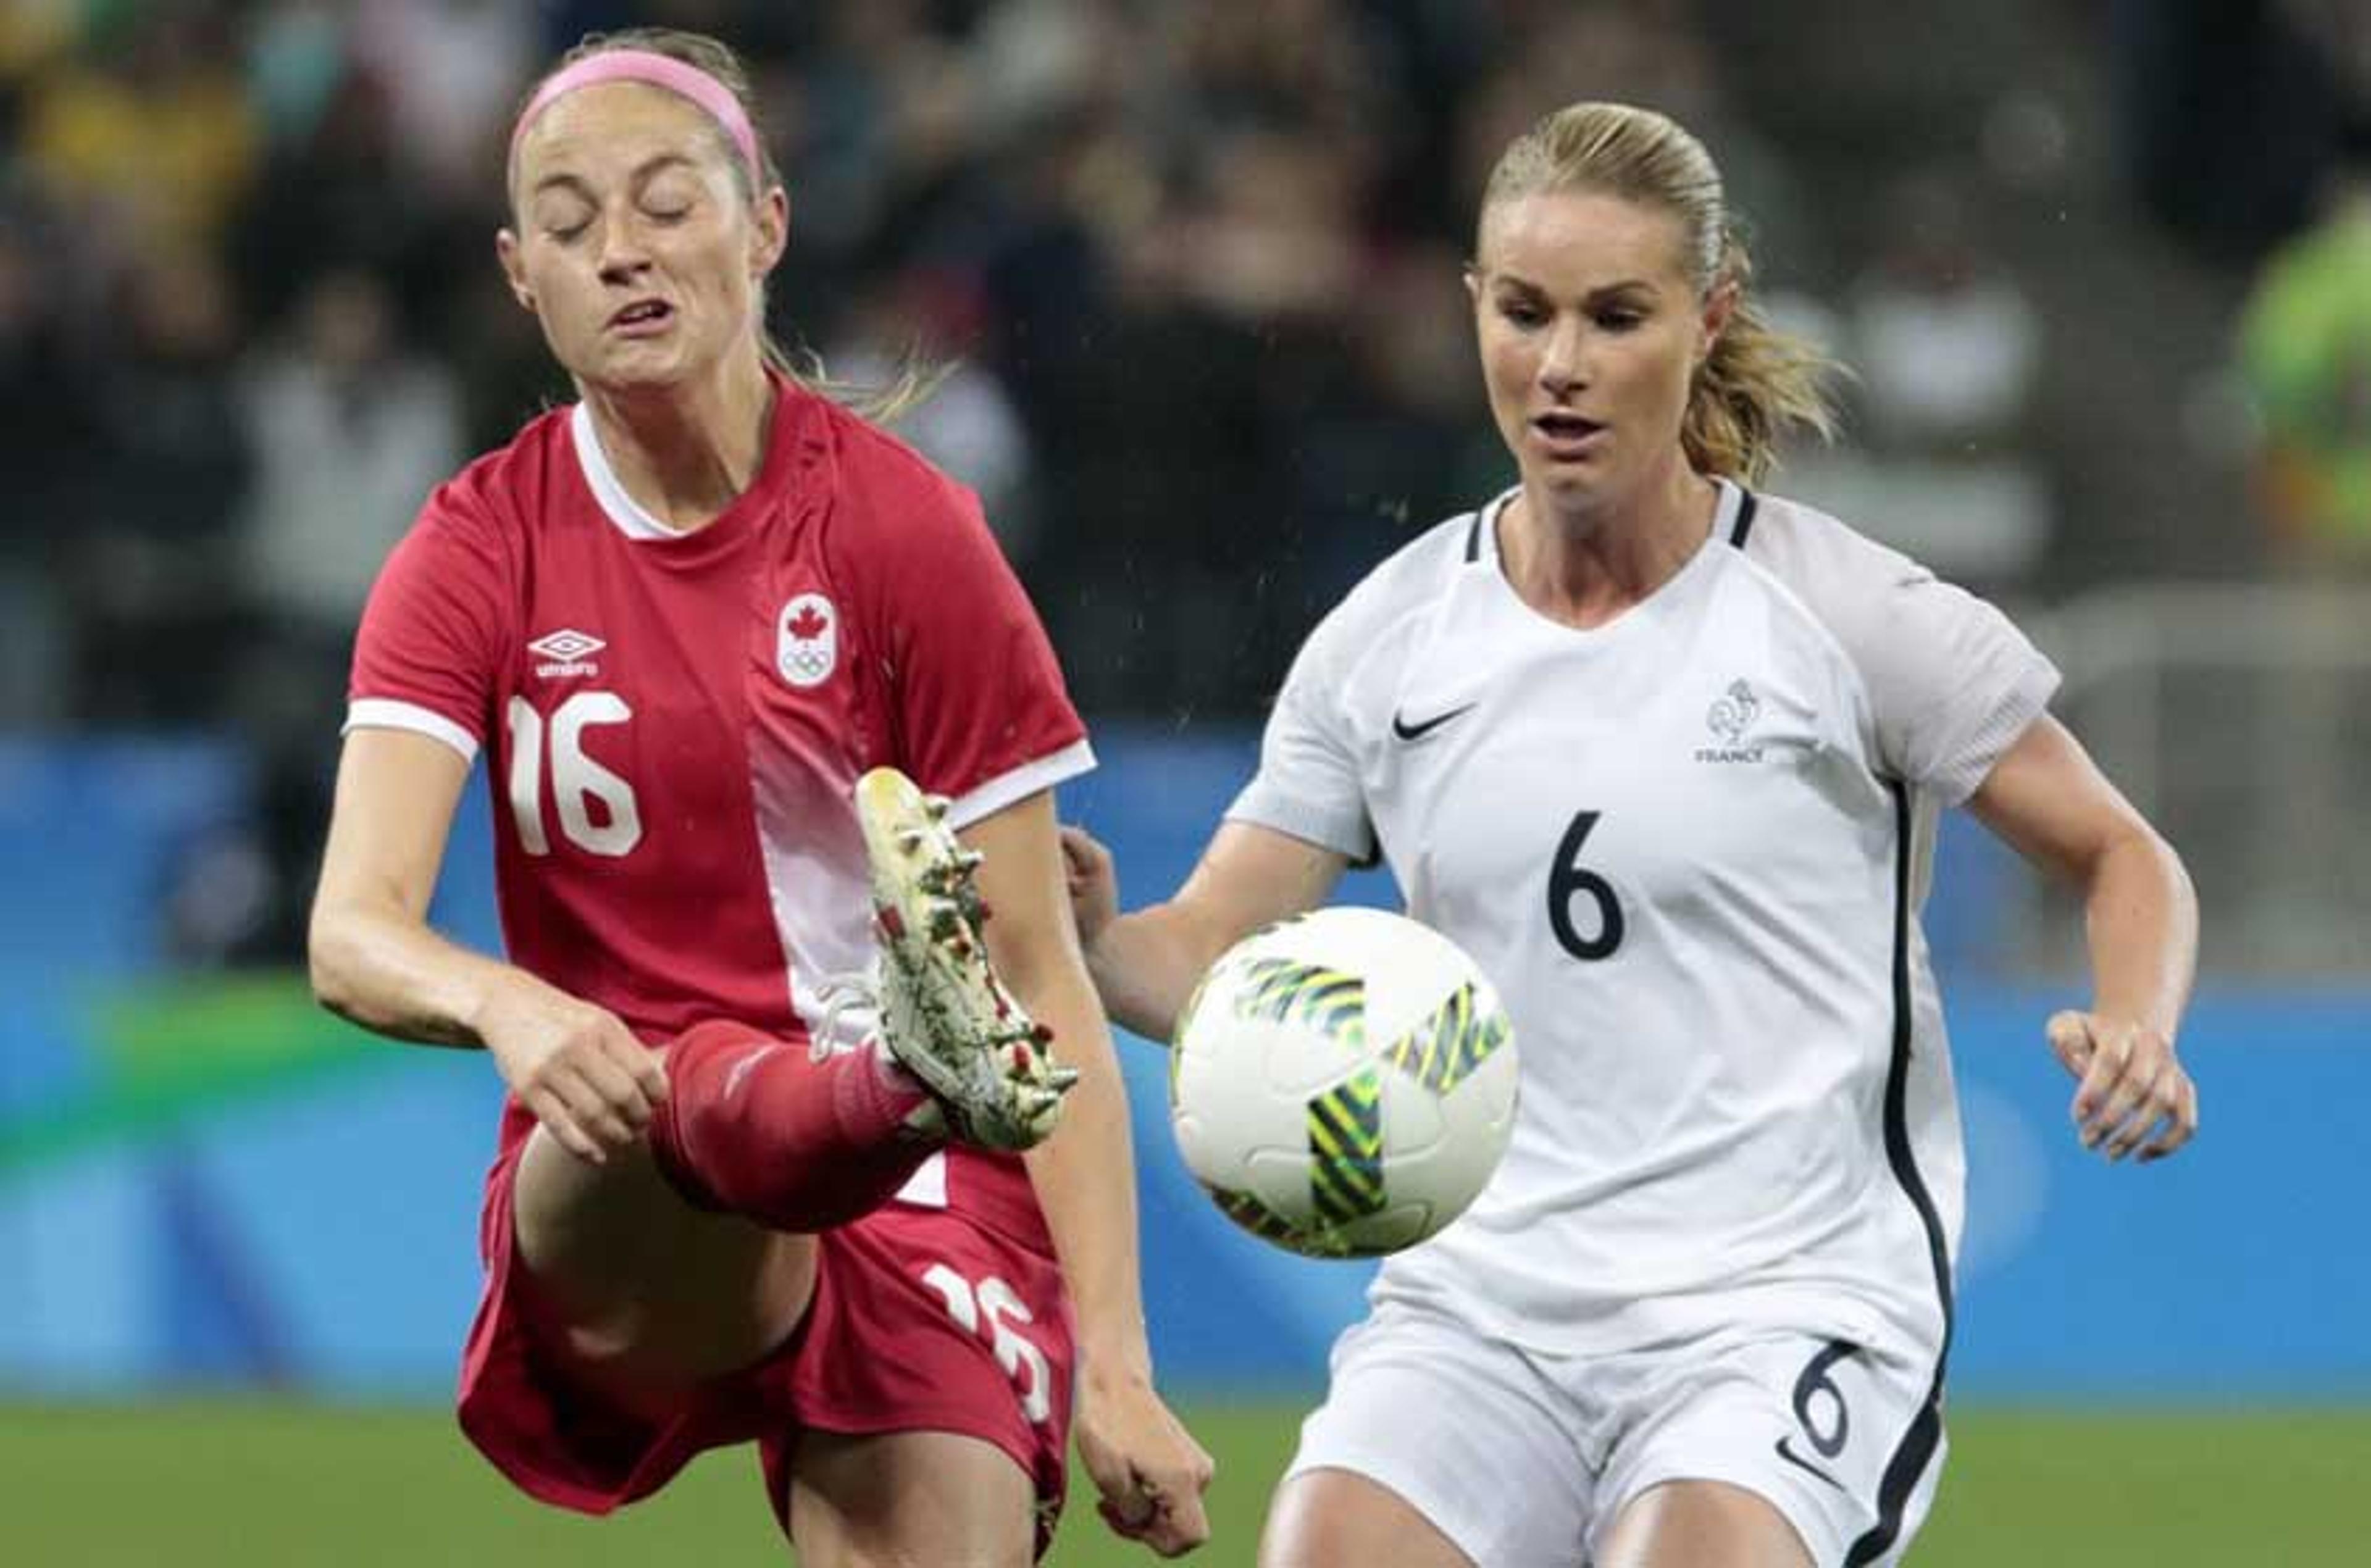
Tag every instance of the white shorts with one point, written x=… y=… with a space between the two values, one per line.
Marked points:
x=1525 y=1460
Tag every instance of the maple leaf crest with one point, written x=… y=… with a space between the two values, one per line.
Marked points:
x=808 y=623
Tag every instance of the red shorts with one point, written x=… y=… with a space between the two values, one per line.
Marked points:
x=923 y=1320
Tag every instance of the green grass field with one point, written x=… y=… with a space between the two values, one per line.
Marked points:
x=262 y=1485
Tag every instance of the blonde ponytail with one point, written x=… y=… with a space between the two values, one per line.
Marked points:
x=1754 y=382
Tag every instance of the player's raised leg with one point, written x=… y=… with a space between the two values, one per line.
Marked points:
x=804 y=1138
x=689 y=1255
x=796 y=1137
x=645 y=1293
x=789 y=1138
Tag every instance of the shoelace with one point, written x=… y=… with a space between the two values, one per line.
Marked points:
x=850 y=990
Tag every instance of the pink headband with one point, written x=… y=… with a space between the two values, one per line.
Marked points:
x=658 y=71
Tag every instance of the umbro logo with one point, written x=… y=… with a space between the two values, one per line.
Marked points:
x=1423 y=727
x=1731 y=720
x=566 y=652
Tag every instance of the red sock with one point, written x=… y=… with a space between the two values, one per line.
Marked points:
x=757 y=1126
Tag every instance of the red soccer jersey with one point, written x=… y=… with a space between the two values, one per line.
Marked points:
x=676 y=722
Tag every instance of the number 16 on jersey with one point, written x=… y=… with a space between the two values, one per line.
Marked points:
x=579 y=784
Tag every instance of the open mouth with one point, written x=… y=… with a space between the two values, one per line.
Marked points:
x=1562 y=429
x=643 y=313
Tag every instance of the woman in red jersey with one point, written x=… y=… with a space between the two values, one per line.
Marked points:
x=737 y=1197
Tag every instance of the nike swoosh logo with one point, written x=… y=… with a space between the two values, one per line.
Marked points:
x=1787 y=1452
x=1408 y=731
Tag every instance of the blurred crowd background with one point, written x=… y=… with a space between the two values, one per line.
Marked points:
x=2101 y=266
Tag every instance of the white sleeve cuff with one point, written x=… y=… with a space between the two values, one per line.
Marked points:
x=1352 y=837
x=2001 y=729
x=1001 y=792
x=385 y=713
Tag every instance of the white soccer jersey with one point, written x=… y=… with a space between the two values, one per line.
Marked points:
x=1689 y=848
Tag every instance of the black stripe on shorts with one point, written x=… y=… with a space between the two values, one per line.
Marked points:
x=1925 y=1434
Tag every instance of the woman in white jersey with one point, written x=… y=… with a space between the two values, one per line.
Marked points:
x=1665 y=756
x=704 y=622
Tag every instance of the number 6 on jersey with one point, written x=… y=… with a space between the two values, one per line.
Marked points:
x=1568 y=878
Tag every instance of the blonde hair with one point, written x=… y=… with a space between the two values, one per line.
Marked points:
x=915 y=378
x=1756 y=380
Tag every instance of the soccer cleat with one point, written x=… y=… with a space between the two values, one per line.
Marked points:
x=944 y=1015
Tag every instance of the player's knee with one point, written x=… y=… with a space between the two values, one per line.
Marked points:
x=1681 y=1523
x=1335 y=1519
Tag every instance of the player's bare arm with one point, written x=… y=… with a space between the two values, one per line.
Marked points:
x=1146 y=963
x=375 y=961
x=1151 y=1472
x=2048 y=800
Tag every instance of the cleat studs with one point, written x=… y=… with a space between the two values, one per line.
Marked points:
x=947 y=1016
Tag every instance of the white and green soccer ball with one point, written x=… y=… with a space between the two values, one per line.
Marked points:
x=1343 y=1082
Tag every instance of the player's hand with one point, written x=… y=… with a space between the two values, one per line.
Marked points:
x=578 y=1068
x=1147 y=1466
x=1094 y=884
x=2133 y=1093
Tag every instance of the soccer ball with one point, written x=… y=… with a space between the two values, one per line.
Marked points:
x=1343 y=1082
